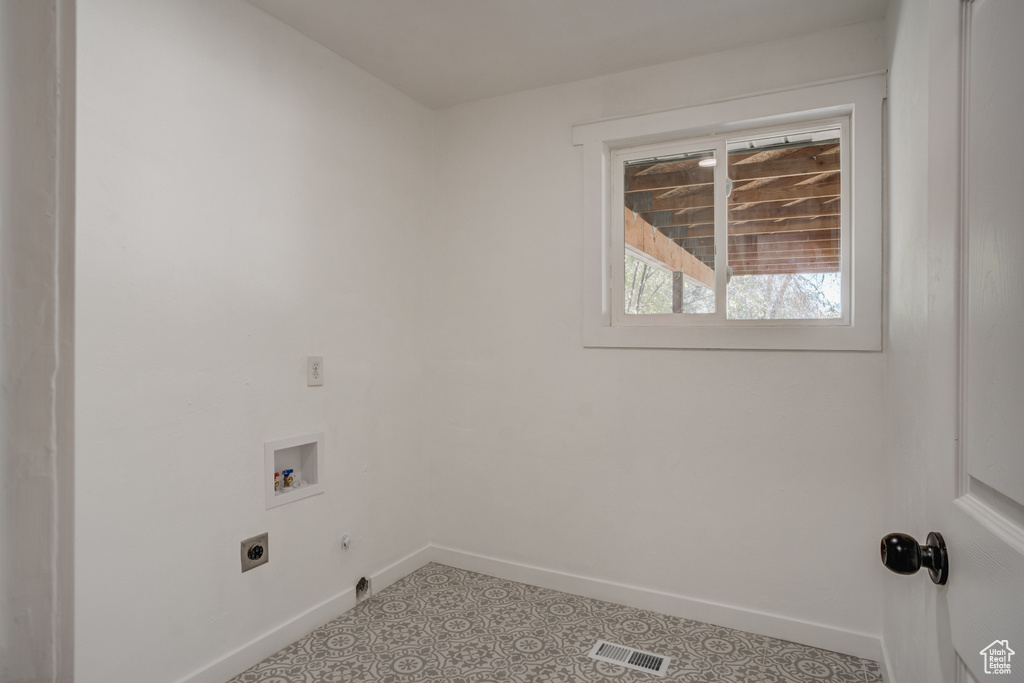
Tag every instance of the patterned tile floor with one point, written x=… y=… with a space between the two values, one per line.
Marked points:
x=441 y=624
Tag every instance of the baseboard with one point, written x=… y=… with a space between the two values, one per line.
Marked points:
x=885 y=664
x=401 y=569
x=783 y=628
x=263 y=646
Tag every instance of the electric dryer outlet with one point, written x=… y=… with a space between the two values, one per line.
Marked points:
x=255 y=551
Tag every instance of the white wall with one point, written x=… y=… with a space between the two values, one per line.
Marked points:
x=246 y=198
x=36 y=312
x=921 y=364
x=751 y=479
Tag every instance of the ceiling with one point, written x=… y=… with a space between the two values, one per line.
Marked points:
x=446 y=52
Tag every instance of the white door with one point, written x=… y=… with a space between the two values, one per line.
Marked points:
x=986 y=534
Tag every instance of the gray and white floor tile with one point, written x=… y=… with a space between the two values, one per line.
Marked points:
x=441 y=624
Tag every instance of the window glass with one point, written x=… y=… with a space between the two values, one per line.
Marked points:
x=669 y=205
x=648 y=287
x=785 y=229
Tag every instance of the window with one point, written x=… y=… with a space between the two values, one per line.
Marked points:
x=753 y=223
x=782 y=250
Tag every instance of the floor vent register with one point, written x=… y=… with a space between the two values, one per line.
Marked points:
x=629 y=657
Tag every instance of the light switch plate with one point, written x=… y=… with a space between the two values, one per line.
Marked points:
x=314 y=371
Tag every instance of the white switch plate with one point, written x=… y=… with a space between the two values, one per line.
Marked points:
x=314 y=371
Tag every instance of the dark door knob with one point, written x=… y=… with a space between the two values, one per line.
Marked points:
x=904 y=555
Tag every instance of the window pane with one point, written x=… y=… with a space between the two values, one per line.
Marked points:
x=784 y=227
x=697 y=297
x=669 y=205
x=648 y=287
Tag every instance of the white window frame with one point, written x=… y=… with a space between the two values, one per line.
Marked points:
x=857 y=102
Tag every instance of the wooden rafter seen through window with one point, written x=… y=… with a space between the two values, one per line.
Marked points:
x=784 y=208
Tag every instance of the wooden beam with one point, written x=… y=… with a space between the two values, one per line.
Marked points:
x=821 y=239
x=640 y=235
x=785 y=269
x=791 y=167
x=771 y=154
x=785 y=238
x=793 y=257
x=704 y=197
x=793 y=228
x=770 y=193
x=796 y=259
x=745 y=227
x=785 y=167
x=738 y=267
x=697 y=200
x=819 y=248
x=758 y=212
x=668 y=181
x=811 y=162
x=736 y=259
x=811 y=208
x=651 y=167
x=825 y=263
x=694 y=216
x=792 y=225
x=816 y=248
x=701 y=196
x=831 y=255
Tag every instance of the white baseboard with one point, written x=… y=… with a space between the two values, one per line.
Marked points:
x=285 y=634
x=401 y=569
x=886 y=665
x=783 y=628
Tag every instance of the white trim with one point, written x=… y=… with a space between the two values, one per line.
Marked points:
x=962 y=264
x=282 y=635
x=860 y=99
x=885 y=664
x=770 y=91
x=963 y=674
x=314 y=471
x=63 y=379
x=783 y=628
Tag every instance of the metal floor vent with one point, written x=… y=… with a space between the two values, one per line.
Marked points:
x=629 y=657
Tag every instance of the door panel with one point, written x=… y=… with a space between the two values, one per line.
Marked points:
x=995 y=191
x=986 y=536
x=986 y=586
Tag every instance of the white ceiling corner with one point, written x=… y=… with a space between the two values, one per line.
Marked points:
x=445 y=52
